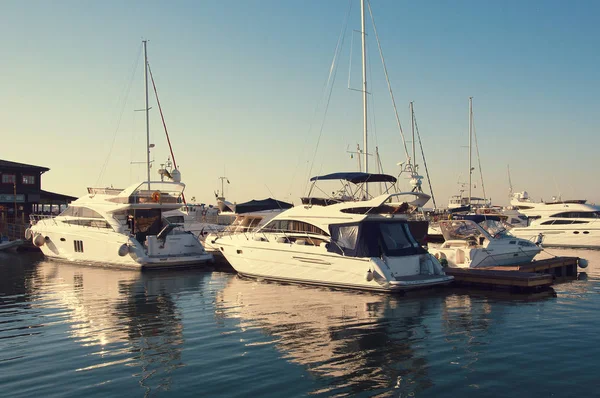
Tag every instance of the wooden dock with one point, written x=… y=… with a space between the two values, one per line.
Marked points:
x=529 y=276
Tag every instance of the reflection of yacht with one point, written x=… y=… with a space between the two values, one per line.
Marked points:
x=123 y=315
x=471 y=245
x=352 y=244
x=339 y=335
x=122 y=227
x=570 y=223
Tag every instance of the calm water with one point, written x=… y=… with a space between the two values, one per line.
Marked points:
x=80 y=331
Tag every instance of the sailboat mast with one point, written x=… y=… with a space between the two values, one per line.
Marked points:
x=470 y=137
x=412 y=128
x=364 y=78
x=147 y=112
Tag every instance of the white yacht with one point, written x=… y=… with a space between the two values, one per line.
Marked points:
x=481 y=242
x=568 y=223
x=364 y=244
x=114 y=227
x=123 y=227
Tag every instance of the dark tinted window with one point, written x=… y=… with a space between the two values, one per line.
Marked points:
x=292 y=226
x=578 y=214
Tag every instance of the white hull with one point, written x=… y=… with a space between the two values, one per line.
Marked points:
x=314 y=265
x=562 y=235
x=101 y=247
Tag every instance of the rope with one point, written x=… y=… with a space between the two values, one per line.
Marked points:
x=478 y=158
x=424 y=161
x=331 y=78
x=387 y=79
x=164 y=125
x=125 y=92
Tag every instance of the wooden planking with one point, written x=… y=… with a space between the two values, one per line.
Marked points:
x=499 y=278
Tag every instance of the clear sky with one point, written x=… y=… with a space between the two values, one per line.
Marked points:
x=241 y=84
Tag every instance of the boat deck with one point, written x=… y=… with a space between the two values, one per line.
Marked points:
x=528 y=276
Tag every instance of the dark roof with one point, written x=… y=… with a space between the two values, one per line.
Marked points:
x=260 y=205
x=15 y=165
x=357 y=177
x=46 y=197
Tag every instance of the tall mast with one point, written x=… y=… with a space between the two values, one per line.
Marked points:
x=470 y=136
x=412 y=128
x=364 y=77
x=147 y=112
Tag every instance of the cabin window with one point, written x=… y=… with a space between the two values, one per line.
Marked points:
x=9 y=178
x=395 y=237
x=292 y=226
x=89 y=223
x=578 y=214
x=28 y=180
x=548 y=222
x=83 y=212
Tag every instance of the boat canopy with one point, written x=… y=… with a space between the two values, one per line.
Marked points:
x=261 y=205
x=373 y=239
x=356 y=177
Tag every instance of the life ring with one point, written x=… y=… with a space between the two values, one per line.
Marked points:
x=203 y=213
x=156 y=196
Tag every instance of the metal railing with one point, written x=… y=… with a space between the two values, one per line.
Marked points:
x=13 y=230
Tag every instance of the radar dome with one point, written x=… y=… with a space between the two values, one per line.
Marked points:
x=176 y=175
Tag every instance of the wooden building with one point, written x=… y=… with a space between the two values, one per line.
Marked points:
x=21 y=193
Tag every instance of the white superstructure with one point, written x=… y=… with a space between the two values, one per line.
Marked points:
x=113 y=227
x=471 y=245
x=569 y=223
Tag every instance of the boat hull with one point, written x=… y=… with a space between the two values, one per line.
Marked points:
x=580 y=237
x=314 y=265
x=102 y=247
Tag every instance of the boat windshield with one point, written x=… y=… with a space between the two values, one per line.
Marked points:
x=461 y=230
x=494 y=228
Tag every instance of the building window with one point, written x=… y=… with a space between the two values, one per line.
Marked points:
x=8 y=178
x=28 y=180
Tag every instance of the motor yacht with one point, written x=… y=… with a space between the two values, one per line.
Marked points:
x=558 y=223
x=357 y=244
x=114 y=227
x=479 y=241
x=123 y=227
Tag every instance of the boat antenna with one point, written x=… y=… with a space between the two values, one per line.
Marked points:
x=510 y=186
x=148 y=165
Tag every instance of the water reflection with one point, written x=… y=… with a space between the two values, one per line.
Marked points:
x=116 y=317
x=357 y=341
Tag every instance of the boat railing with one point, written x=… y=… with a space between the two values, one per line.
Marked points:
x=34 y=218
x=13 y=229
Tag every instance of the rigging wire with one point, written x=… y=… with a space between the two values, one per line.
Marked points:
x=323 y=93
x=124 y=95
x=478 y=158
x=424 y=161
x=388 y=80
x=332 y=75
x=164 y=125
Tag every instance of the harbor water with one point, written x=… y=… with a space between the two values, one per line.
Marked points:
x=77 y=331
